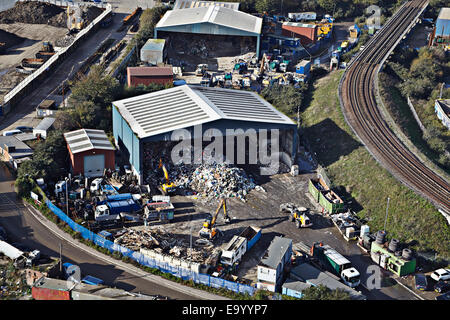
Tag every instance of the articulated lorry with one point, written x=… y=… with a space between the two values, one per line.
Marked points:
x=239 y=245
x=335 y=262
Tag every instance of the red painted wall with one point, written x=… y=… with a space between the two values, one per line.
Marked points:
x=77 y=160
x=307 y=35
x=49 y=294
x=146 y=80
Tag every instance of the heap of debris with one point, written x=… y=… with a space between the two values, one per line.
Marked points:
x=35 y=13
x=65 y=41
x=164 y=242
x=214 y=181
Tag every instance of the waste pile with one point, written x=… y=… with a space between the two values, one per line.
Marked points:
x=65 y=41
x=164 y=242
x=213 y=181
x=35 y=13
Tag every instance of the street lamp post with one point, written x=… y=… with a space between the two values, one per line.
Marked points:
x=385 y=219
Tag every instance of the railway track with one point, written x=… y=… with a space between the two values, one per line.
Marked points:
x=358 y=102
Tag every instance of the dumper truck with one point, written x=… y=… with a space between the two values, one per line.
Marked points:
x=336 y=263
x=239 y=245
x=112 y=210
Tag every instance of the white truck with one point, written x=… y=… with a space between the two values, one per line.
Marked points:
x=239 y=245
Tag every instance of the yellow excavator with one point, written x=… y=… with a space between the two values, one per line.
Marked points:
x=168 y=187
x=209 y=230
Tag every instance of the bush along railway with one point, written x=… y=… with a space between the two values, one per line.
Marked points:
x=357 y=92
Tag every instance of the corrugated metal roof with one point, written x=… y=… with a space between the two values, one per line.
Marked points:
x=9 y=250
x=87 y=139
x=21 y=149
x=212 y=14
x=298 y=24
x=54 y=284
x=296 y=285
x=150 y=71
x=185 y=106
x=444 y=14
x=45 y=123
x=276 y=251
x=315 y=277
x=185 y=4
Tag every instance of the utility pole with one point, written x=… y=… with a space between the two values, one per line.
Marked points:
x=385 y=219
x=60 y=257
x=67 y=196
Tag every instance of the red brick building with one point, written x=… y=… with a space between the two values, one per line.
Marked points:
x=307 y=33
x=90 y=152
x=148 y=75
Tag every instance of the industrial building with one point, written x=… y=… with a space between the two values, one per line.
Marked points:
x=442 y=28
x=272 y=266
x=148 y=75
x=90 y=152
x=142 y=120
x=213 y=21
x=14 y=150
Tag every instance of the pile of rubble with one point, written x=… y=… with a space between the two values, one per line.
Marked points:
x=35 y=13
x=165 y=242
x=65 y=41
x=214 y=181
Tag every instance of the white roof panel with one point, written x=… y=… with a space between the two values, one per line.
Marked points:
x=185 y=106
x=87 y=139
x=212 y=14
x=185 y=4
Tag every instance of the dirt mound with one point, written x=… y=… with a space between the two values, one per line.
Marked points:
x=9 y=39
x=35 y=13
x=92 y=12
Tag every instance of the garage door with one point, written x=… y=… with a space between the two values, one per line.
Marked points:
x=94 y=165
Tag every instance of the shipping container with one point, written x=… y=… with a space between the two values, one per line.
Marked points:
x=51 y=289
x=306 y=32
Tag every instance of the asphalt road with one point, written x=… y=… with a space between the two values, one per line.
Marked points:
x=24 y=228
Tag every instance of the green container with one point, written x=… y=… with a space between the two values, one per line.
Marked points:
x=314 y=190
x=330 y=206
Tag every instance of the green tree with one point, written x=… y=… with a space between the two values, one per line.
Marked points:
x=324 y=293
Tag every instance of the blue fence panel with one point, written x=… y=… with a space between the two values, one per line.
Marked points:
x=216 y=282
x=246 y=289
x=231 y=285
x=187 y=274
x=204 y=279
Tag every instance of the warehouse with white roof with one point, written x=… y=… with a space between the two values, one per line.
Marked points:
x=90 y=152
x=217 y=19
x=201 y=113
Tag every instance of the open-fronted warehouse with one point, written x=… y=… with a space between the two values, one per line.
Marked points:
x=199 y=116
x=211 y=22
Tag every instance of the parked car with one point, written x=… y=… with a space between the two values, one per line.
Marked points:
x=442 y=286
x=24 y=128
x=441 y=274
x=421 y=281
x=445 y=296
x=11 y=132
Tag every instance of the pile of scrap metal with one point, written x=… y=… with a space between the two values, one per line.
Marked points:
x=348 y=224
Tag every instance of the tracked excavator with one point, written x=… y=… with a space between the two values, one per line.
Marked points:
x=168 y=187
x=209 y=231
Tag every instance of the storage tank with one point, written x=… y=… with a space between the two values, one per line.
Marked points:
x=381 y=237
x=153 y=51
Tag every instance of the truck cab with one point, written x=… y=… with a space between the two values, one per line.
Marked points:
x=351 y=277
x=103 y=213
x=95 y=185
x=60 y=187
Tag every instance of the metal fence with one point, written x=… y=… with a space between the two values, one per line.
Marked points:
x=144 y=260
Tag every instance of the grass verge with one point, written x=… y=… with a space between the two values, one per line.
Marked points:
x=411 y=219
